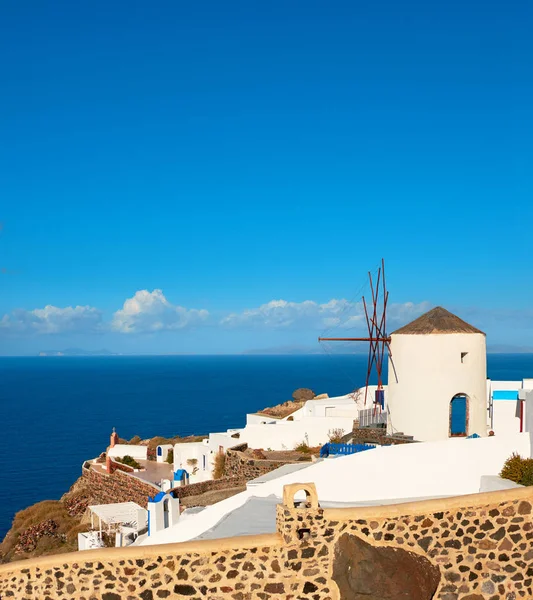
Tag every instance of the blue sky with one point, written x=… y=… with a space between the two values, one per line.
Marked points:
x=198 y=161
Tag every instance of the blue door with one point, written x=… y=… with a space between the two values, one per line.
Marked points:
x=458 y=416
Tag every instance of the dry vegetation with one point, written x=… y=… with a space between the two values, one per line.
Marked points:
x=154 y=442
x=283 y=455
x=518 y=469
x=220 y=463
x=52 y=526
x=280 y=411
x=335 y=435
x=305 y=449
x=44 y=528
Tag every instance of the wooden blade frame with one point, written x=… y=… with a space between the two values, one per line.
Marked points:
x=376 y=321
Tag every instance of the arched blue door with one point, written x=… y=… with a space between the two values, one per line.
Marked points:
x=159 y=451
x=458 y=415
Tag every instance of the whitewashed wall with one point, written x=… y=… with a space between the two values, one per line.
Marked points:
x=165 y=449
x=506 y=417
x=285 y=435
x=503 y=419
x=121 y=450
x=156 y=514
x=410 y=471
x=223 y=440
x=198 y=451
x=527 y=395
x=430 y=373
x=254 y=418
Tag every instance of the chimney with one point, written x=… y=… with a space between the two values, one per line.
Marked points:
x=114 y=438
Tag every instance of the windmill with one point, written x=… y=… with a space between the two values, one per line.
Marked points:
x=379 y=341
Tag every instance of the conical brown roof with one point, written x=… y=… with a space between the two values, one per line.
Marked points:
x=437 y=320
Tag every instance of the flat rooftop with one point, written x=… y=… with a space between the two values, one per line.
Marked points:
x=258 y=515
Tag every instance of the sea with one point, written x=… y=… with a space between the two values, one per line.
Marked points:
x=56 y=412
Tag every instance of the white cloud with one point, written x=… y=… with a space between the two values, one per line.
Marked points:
x=152 y=312
x=342 y=314
x=51 y=319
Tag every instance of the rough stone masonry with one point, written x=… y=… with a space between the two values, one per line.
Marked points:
x=477 y=547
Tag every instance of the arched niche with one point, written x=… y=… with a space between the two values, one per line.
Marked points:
x=290 y=491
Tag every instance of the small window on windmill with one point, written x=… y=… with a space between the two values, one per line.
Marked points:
x=463 y=357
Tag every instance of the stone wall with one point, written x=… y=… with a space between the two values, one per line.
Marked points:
x=118 y=487
x=195 y=489
x=482 y=544
x=113 y=466
x=477 y=547
x=239 y=464
x=375 y=435
x=123 y=487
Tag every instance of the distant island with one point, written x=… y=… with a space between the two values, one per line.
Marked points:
x=77 y=352
x=351 y=348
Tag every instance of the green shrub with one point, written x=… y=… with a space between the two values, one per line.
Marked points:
x=170 y=457
x=129 y=461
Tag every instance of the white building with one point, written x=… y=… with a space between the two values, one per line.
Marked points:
x=196 y=458
x=161 y=453
x=437 y=378
x=125 y=520
x=507 y=410
x=163 y=512
x=384 y=475
x=313 y=424
x=137 y=452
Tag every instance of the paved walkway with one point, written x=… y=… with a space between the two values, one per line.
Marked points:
x=153 y=471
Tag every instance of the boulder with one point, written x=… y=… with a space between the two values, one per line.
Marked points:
x=365 y=572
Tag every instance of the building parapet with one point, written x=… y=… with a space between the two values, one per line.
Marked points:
x=479 y=545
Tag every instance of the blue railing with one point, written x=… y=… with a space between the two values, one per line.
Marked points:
x=343 y=449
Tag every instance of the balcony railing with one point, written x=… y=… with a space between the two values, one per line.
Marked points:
x=371 y=417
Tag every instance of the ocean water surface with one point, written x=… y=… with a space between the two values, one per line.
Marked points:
x=58 y=411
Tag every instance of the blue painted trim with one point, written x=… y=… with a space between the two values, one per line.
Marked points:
x=343 y=449
x=157 y=497
x=505 y=395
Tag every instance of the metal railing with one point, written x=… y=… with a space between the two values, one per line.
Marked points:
x=343 y=449
x=369 y=417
